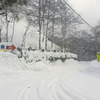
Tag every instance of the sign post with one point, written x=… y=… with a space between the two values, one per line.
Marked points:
x=0 y=34
x=98 y=56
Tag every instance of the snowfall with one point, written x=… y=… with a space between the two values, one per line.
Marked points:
x=44 y=80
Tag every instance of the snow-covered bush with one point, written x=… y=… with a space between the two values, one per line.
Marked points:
x=41 y=55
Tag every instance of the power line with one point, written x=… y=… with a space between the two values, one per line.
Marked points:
x=78 y=14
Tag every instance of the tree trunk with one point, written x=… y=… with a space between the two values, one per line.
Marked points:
x=14 y=17
x=47 y=26
x=6 y=24
x=39 y=24
x=53 y=24
x=43 y=20
x=24 y=36
x=13 y=30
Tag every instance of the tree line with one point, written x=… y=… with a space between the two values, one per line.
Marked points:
x=55 y=22
x=51 y=17
x=83 y=44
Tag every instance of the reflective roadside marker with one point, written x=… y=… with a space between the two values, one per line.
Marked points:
x=98 y=56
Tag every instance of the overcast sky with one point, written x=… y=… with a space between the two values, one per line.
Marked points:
x=88 y=9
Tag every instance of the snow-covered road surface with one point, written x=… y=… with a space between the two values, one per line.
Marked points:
x=45 y=85
x=57 y=82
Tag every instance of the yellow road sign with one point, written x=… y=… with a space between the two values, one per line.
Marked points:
x=98 y=56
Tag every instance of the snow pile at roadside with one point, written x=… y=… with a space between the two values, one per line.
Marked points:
x=9 y=63
x=94 y=68
x=37 y=55
x=86 y=83
x=38 y=66
x=95 y=63
x=69 y=65
x=40 y=60
x=51 y=54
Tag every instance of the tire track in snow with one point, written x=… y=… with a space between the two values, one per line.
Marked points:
x=25 y=93
x=43 y=89
x=49 y=86
x=46 y=88
x=60 y=93
x=74 y=95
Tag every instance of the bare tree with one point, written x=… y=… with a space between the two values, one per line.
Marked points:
x=24 y=36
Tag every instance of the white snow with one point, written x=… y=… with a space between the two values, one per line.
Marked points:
x=37 y=55
x=43 y=80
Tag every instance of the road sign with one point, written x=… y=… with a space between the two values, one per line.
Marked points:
x=10 y=47
x=98 y=56
x=7 y=47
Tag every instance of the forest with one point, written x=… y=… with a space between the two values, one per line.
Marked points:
x=54 y=21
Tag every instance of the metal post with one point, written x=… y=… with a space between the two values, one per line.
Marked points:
x=0 y=35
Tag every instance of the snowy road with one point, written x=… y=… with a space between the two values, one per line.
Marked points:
x=52 y=84
x=43 y=86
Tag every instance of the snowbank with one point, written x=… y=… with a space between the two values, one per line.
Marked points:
x=95 y=63
x=37 y=55
x=93 y=68
x=84 y=86
x=31 y=60
x=9 y=63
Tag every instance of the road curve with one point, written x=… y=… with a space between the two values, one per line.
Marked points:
x=43 y=85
